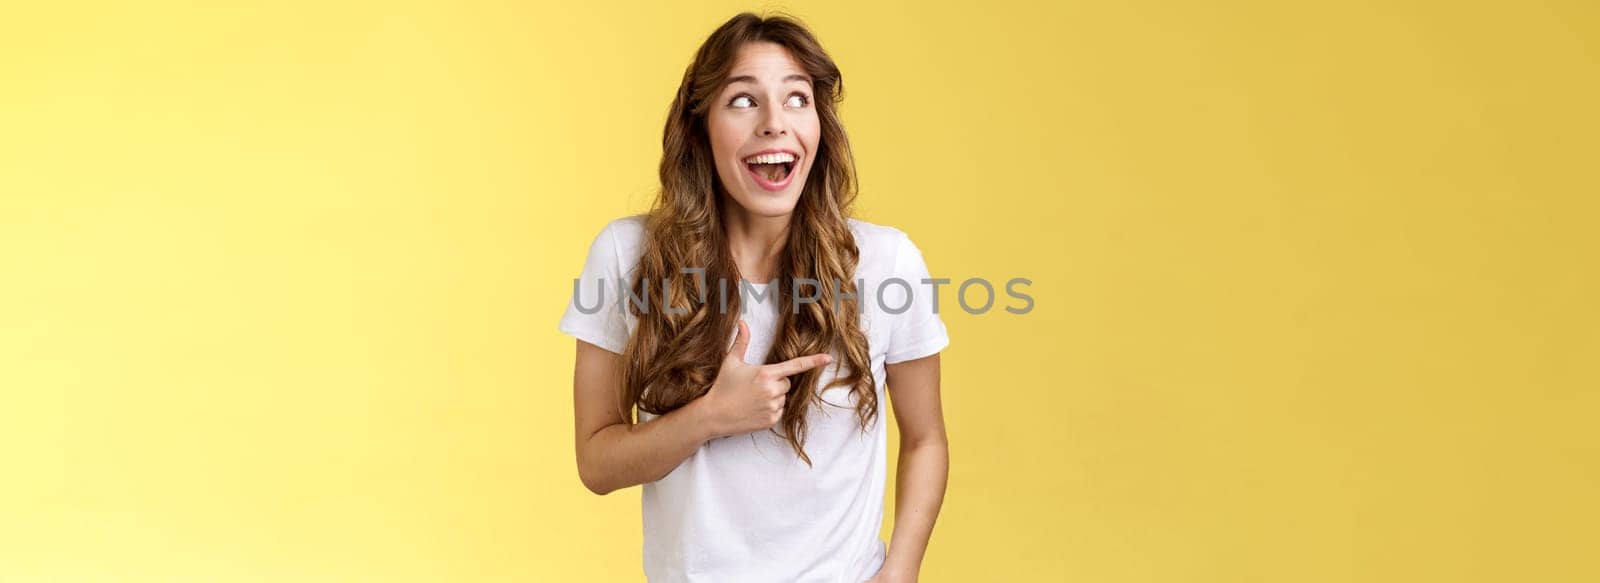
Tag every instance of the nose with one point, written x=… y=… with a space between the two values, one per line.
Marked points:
x=772 y=124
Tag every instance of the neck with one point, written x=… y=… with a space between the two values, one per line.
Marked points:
x=755 y=241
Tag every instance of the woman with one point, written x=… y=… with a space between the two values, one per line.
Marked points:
x=759 y=439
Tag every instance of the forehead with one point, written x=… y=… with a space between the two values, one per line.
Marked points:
x=767 y=62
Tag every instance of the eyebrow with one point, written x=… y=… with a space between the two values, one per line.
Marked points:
x=750 y=79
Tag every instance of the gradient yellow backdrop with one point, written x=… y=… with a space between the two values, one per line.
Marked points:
x=1315 y=283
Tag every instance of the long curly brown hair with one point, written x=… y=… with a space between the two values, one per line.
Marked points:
x=673 y=358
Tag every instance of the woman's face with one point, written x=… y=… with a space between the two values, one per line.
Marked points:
x=764 y=130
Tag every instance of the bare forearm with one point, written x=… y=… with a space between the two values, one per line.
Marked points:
x=919 y=492
x=623 y=455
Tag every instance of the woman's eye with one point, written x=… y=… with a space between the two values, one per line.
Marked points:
x=797 y=100
x=741 y=101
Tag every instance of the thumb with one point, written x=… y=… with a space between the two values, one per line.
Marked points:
x=741 y=342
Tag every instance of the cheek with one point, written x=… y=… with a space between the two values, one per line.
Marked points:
x=726 y=128
x=726 y=139
x=721 y=136
x=809 y=128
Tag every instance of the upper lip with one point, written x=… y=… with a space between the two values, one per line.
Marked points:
x=772 y=151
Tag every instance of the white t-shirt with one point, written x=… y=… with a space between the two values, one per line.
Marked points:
x=745 y=507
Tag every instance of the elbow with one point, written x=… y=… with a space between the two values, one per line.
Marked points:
x=594 y=482
x=934 y=440
x=933 y=445
x=598 y=488
x=591 y=475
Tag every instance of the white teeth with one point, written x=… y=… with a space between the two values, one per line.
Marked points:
x=778 y=158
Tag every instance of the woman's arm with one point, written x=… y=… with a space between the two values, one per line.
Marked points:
x=924 y=465
x=614 y=453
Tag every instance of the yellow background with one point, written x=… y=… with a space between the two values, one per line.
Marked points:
x=1315 y=283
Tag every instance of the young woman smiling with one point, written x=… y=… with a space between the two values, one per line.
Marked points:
x=760 y=442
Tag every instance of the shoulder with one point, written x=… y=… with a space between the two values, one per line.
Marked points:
x=873 y=236
x=622 y=238
x=625 y=231
x=615 y=249
x=882 y=247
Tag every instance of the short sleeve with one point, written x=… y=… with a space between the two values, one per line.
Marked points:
x=918 y=331
x=594 y=308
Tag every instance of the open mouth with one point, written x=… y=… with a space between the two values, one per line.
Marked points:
x=772 y=170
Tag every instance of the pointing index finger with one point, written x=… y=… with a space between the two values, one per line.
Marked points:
x=799 y=365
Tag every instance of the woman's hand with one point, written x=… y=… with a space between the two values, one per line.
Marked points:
x=750 y=397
